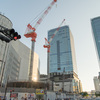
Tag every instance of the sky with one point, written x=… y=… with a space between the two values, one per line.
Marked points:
x=78 y=15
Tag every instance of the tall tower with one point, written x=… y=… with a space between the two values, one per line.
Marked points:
x=62 y=53
x=62 y=56
x=95 y=22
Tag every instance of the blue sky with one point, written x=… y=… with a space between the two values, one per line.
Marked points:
x=78 y=15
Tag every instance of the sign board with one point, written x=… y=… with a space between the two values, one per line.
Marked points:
x=31 y=95
x=14 y=95
x=39 y=92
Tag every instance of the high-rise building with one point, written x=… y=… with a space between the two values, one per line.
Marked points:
x=62 y=58
x=95 y=22
x=62 y=53
x=15 y=59
x=17 y=62
x=96 y=84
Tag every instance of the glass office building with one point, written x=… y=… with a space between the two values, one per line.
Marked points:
x=95 y=22
x=62 y=53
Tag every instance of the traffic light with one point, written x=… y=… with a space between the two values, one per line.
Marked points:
x=3 y=38
x=12 y=34
x=8 y=34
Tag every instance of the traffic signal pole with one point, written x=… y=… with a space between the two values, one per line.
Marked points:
x=3 y=63
x=6 y=88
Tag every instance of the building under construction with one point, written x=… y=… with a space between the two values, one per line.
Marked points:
x=62 y=61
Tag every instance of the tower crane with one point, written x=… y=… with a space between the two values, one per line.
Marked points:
x=47 y=45
x=30 y=33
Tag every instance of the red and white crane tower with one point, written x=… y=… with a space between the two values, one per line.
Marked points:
x=47 y=45
x=30 y=33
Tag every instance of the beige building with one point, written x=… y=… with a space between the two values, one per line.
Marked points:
x=96 y=84
x=18 y=63
x=15 y=58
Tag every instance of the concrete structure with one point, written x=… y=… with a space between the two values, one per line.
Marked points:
x=5 y=22
x=17 y=62
x=15 y=58
x=43 y=78
x=63 y=68
x=24 y=53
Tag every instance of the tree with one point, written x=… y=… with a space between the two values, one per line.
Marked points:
x=97 y=94
x=84 y=94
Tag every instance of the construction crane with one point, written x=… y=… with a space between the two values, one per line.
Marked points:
x=47 y=45
x=30 y=33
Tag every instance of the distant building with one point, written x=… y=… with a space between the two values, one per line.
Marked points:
x=15 y=58
x=80 y=86
x=63 y=61
x=43 y=78
x=97 y=83
x=95 y=22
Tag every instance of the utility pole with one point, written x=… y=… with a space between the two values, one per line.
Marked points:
x=63 y=79
x=3 y=64
x=6 y=88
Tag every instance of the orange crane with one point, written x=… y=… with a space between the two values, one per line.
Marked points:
x=47 y=45
x=30 y=33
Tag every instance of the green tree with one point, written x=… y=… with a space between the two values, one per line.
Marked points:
x=84 y=94
x=97 y=94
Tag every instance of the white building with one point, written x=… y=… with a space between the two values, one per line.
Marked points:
x=15 y=58
x=96 y=84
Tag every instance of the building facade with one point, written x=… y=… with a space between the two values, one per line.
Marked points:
x=17 y=63
x=95 y=22
x=15 y=59
x=5 y=22
x=62 y=53
x=96 y=84
x=62 y=60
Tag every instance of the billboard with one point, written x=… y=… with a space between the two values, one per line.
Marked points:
x=39 y=92
x=14 y=95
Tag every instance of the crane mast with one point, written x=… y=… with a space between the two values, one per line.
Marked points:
x=47 y=45
x=30 y=33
